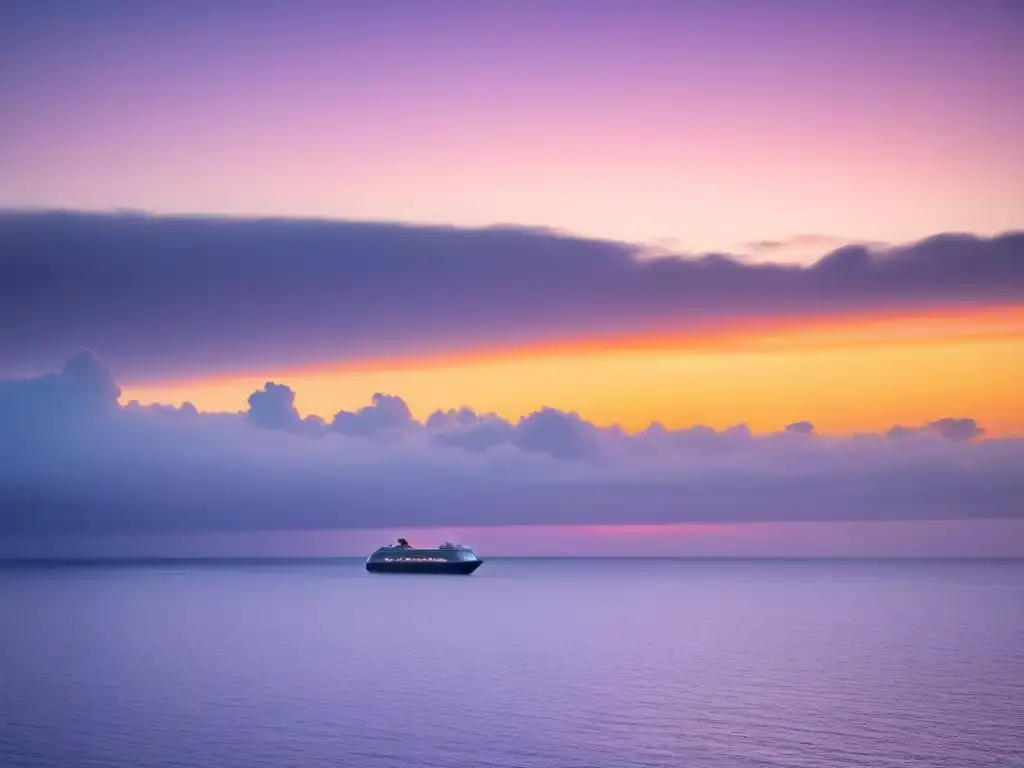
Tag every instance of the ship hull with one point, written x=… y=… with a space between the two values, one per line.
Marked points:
x=463 y=568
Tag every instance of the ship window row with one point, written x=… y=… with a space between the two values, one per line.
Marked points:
x=415 y=560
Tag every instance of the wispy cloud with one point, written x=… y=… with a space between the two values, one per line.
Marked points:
x=804 y=248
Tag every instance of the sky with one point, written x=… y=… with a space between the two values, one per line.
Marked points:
x=686 y=278
x=711 y=126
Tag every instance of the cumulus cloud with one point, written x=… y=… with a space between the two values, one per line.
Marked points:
x=273 y=407
x=385 y=414
x=213 y=294
x=73 y=460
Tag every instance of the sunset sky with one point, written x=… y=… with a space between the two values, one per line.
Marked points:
x=723 y=215
x=845 y=376
x=711 y=125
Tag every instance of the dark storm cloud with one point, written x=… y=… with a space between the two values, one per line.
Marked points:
x=170 y=297
x=73 y=460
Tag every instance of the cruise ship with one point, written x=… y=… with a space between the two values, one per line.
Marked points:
x=405 y=558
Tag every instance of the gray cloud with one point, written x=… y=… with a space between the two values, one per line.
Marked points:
x=273 y=407
x=162 y=297
x=951 y=429
x=73 y=460
x=800 y=427
x=385 y=414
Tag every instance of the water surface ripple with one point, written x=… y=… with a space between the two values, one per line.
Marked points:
x=527 y=663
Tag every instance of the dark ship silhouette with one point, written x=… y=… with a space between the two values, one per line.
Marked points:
x=404 y=558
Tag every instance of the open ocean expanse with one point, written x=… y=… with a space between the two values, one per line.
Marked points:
x=569 y=663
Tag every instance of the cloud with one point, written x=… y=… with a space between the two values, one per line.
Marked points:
x=800 y=243
x=385 y=414
x=73 y=460
x=162 y=297
x=273 y=407
x=817 y=241
x=81 y=391
x=798 y=247
x=951 y=429
x=800 y=427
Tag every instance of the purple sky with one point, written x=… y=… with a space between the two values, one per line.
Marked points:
x=705 y=124
x=789 y=131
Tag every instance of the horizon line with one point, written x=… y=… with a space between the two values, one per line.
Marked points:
x=158 y=559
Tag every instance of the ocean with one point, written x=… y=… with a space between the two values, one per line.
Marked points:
x=578 y=663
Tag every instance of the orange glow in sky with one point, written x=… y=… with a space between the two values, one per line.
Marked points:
x=844 y=375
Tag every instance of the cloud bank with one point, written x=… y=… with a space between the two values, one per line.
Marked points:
x=73 y=460
x=163 y=297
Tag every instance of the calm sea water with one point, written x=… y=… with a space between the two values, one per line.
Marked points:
x=586 y=663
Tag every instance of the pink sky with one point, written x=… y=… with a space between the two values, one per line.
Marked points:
x=708 y=126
